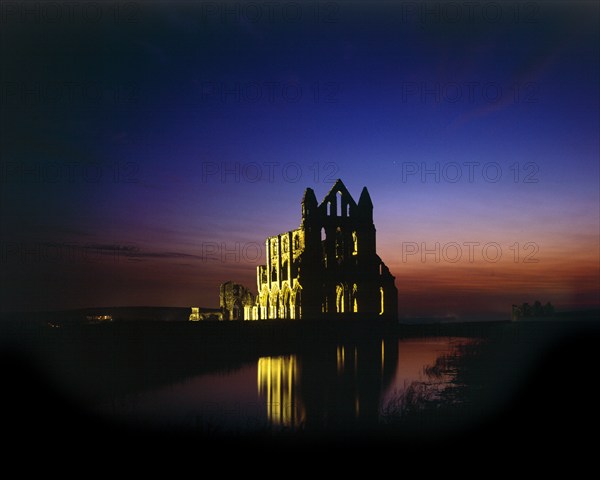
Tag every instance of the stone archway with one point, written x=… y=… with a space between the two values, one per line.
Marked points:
x=340 y=298
x=285 y=302
x=264 y=303
x=274 y=302
x=237 y=310
x=296 y=302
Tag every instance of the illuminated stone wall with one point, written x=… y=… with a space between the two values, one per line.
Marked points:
x=234 y=301
x=328 y=267
x=278 y=281
x=197 y=316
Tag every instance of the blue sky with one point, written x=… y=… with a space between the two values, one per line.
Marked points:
x=116 y=133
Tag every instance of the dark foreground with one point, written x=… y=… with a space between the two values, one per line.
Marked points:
x=517 y=385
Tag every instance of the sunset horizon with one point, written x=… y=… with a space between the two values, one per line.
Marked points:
x=296 y=226
x=153 y=167
x=461 y=269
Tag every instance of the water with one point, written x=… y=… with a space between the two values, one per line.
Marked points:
x=326 y=387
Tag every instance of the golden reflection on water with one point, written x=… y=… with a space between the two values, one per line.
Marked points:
x=277 y=380
x=331 y=385
x=341 y=359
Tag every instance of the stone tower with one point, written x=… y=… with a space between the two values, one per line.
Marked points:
x=329 y=267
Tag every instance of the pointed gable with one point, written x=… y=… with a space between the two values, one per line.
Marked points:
x=329 y=206
x=365 y=199
x=309 y=197
x=338 y=186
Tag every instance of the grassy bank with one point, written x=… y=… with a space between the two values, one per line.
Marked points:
x=519 y=382
x=512 y=377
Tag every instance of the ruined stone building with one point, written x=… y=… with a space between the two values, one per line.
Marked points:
x=328 y=267
x=233 y=298
x=197 y=316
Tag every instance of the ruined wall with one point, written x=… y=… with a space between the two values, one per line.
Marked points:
x=233 y=299
x=327 y=268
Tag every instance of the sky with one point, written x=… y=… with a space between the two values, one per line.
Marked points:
x=149 y=148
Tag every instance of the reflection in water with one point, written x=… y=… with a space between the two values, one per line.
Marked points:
x=277 y=383
x=329 y=386
x=341 y=358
